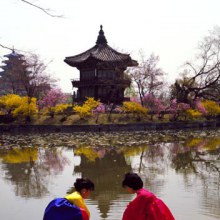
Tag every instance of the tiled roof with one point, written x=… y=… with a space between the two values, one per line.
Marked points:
x=13 y=54
x=101 y=52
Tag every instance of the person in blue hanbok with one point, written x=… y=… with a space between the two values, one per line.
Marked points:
x=72 y=206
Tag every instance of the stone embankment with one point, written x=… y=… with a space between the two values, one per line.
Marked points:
x=110 y=127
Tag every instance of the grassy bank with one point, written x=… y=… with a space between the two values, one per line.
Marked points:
x=103 y=118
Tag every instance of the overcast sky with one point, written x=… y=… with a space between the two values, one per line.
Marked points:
x=170 y=29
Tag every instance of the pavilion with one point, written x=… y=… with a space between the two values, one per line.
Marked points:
x=101 y=72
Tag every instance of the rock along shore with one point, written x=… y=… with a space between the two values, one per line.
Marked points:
x=110 y=127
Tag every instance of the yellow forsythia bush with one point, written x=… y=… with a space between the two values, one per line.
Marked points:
x=61 y=108
x=27 y=107
x=10 y=102
x=17 y=105
x=212 y=108
x=133 y=107
x=52 y=110
x=83 y=111
x=92 y=103
x=193 y=114
x=86 y=109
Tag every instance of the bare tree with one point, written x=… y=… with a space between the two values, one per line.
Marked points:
x=45 y=10
x=203 y=78
x=5 y=47
x=147 y=76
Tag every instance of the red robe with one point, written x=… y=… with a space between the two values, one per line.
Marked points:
x=146 y=206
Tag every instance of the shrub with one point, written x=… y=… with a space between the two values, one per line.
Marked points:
x=83 y=111
x=86 y=109
x=193 y=114
x=212 y=108
x=9 y=103
x=18 y=106
x=27 y=107
x=135 y=108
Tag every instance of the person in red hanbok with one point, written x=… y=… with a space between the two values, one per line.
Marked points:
x=146 y=206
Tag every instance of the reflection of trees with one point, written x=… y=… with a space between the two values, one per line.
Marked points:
x=197 y=156
x=153 y=161
x=29 y=169
x=200 y=158
x=107 y=174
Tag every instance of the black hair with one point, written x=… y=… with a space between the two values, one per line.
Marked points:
x=84 y=183
x=133 y=181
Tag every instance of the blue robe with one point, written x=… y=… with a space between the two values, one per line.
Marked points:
x=62 y=209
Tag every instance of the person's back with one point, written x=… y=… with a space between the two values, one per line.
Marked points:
x=61 y=208
x=76 y=199
x=72 y=206
x=146 y=206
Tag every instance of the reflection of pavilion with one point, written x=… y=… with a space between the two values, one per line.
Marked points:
x=107 y=174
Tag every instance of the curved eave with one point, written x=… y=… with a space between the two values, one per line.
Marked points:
x=80 y=58
x=100 y=53
x=13 y=55
x=123 y=63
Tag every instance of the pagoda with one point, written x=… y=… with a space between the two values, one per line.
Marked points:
x=9 y=77
x=101 y=72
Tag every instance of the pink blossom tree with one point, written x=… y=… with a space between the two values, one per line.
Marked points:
x=51 y=99
x=155 y=105
x=148 y=77
x=177 y=109
x=98 y=110
x=200 y=107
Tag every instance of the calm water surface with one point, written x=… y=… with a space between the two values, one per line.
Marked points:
x=182 y=168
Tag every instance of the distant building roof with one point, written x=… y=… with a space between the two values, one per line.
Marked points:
x=101 y=52
x=13 y=54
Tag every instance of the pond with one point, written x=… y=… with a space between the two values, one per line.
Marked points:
x=182 y=168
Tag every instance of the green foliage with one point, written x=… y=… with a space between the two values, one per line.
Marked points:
x=181 y=89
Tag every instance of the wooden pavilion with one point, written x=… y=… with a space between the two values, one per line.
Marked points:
x=101 y=72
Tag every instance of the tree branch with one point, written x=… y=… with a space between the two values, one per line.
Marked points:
x=46 y=11
x=5 y=47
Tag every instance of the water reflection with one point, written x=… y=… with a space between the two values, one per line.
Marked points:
x=31 y=163
x=106 y=172
x=28 y=169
